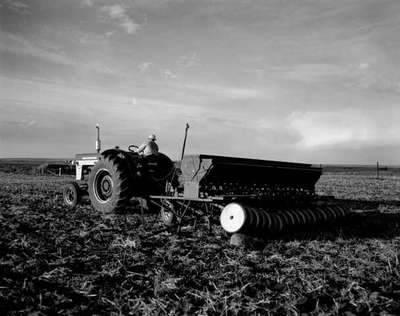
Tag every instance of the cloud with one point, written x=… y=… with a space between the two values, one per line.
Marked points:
x=115 y=11
x=109 y=34
x=129 y=26
x=119 y=14
x=87 y=3
x=18 y=45
x=169 y=74
x=242 y=93
x=379 y=78
x=347 y=126
x=254 y=70
x=236 y=93
x=188 y=61
x=18 y=124
x=17 y=6
x=315 y=72
x=363 y=66
x=145 y=66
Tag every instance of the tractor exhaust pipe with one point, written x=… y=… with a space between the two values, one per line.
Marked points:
x=98 y=142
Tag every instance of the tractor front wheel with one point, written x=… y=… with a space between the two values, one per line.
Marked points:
x=71 y=194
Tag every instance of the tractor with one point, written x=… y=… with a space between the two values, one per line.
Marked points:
x=114 y=177
x=252 y=196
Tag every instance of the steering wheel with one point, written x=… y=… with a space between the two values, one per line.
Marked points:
x=131 y=148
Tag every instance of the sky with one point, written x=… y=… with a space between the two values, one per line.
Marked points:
x=313 y=80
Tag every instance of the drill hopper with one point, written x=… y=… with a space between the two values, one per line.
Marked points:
x=219 y=176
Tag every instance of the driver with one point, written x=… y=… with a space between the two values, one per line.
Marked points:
x=149 y=147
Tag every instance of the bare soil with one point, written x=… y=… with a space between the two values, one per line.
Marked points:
x=59 y=261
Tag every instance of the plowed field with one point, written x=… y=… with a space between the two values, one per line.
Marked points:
x=59 y=261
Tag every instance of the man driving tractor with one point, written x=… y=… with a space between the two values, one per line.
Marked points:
x=149 y=147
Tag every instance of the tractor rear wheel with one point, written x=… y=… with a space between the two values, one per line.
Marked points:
x=109 y=185
x=71 y=194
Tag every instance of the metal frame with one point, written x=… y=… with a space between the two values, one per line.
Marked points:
x=182 y=206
